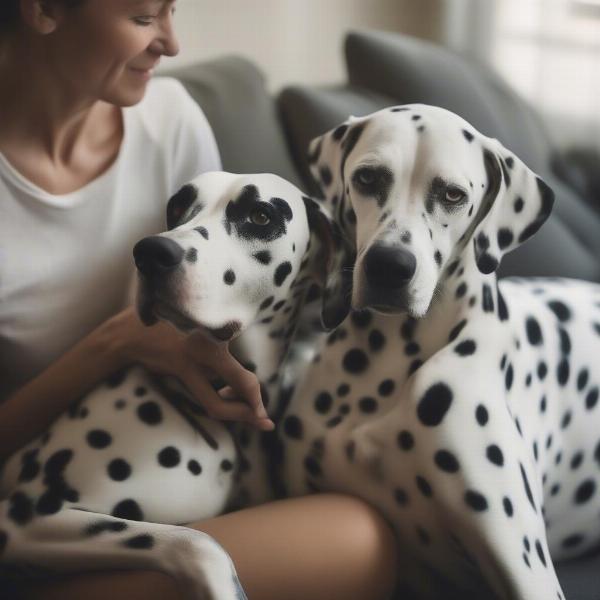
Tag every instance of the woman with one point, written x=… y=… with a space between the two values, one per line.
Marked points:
x=90 y=149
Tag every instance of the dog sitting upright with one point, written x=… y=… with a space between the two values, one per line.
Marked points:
x=464 y=409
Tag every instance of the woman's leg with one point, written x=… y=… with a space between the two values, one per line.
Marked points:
x=320 y=547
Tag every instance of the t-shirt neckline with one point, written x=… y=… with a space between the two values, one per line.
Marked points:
x=75 y=197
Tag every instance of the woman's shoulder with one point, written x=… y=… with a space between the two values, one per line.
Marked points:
x=167 y=108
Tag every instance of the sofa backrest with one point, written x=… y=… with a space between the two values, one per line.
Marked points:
x=234 y=98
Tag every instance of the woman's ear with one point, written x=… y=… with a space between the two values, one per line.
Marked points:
x=41 y=15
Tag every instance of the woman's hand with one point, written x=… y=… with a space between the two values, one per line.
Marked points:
x=193 y=359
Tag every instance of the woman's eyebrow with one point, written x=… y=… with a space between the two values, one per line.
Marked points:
x=134 y=3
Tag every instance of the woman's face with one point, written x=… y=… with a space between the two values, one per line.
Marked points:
x=109 y=48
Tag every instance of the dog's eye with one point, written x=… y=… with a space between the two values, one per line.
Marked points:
x=365 y=177
x=259 y=217
x=455 y=195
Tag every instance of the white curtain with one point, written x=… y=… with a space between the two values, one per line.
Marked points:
x=548 y=50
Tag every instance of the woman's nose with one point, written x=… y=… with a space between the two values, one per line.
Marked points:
x=166 y=42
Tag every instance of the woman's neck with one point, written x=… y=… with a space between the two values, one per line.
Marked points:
x=48 y=122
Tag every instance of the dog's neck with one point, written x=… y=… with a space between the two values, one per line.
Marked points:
x=265 y=345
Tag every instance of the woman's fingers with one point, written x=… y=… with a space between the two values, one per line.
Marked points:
x=214 y=404
x=243 y=382
x=218 y=358
x=229 y=394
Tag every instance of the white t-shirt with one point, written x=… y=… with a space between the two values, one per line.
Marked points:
x=66 y=260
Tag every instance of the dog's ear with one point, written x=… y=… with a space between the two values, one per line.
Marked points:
x=327 y=156
x=183 y=206
x=333 y=265
x=515 y=205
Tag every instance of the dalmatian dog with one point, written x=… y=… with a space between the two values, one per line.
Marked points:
x=115 y=479
x=464 y=408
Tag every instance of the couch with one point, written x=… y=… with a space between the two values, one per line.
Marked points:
x=258 y=132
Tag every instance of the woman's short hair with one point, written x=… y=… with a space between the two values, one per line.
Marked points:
x=10 y=12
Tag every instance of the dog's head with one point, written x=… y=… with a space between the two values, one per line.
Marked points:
x=416 y=187
x=234 y=245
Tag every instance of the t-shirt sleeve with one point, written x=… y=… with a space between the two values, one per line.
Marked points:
x=195 y=149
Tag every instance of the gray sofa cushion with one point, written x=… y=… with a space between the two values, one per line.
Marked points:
x=233 y=95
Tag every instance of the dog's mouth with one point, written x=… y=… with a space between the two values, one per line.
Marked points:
x=187 y=324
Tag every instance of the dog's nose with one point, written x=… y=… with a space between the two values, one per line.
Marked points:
x=157 y=255
x=389 y=266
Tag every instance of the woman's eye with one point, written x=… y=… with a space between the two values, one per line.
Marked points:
x=144 y=21
x=260 y=217
x=454 y=195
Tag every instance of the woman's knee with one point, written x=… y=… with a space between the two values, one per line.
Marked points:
x=372 y=544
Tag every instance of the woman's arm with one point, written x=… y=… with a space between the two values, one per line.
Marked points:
x=119 y=342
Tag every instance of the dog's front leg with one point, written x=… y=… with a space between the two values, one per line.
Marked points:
x=73 y=540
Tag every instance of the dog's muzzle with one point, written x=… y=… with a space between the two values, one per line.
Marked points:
x=388 y=270
x=157 y=256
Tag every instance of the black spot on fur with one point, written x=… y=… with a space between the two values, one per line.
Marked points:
x=150 y=413
x=560 y=309
x=263 y=256
x=194 y=467
x=367 y=405
x=229 y=277
x=386 y=387
x=323 y=402
x=105 y=525
x=424 y=486
x=476 y=500
x=118 y=469
x=191 y=255
x=98 y=438
x=534 y=332
x=128 y=509
x=465 y=348
x=585 y=491
x=527 y=488
x=355 y=361
x=282 y=271
x=446 y=461
x=21 y=508
x=505 y=238
x=487 y=299
x=292 y=426
x=434 y=404
x=406 y=440
x=456 y=330
x=495 y=455
x=139 y=542
x=169 y=457
x=481 y=414
x=540 y=552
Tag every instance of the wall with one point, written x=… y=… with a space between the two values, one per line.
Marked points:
x=294 y=40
